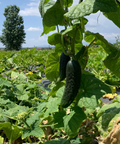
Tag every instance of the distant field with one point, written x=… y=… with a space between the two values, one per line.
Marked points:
x=38 y=48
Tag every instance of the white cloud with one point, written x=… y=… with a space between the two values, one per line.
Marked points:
x=0 y=2
x=32 y=4
x=32 y=11
x=110 y=36
x=33 y=29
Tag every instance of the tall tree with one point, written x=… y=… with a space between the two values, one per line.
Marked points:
x=13 y=34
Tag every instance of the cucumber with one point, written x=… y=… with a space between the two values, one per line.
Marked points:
x=73 y=79
x=63 y=62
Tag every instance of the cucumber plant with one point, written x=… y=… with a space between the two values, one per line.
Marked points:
x=68 y=23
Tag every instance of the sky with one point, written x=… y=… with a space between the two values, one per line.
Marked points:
x=33 y=23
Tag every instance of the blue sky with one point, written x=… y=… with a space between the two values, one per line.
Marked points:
x=33 y=23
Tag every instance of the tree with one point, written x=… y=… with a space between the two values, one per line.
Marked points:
x=13 y=34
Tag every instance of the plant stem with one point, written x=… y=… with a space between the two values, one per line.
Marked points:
x=26 y=124
x=62 y=40
x=29 y=140
x=91 y=43
x=45 y=134
x=73 y=43
x=57 y=28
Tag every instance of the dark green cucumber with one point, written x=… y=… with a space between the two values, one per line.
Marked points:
x=63 y=62
x=73 y=79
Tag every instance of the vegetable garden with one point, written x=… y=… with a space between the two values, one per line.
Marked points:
x=31 y=112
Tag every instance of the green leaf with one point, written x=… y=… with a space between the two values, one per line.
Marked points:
x=31 y=86
x=5 y=82
x=34 y=131
x=107 y=113
x=47 y=29
x=112 y=62
x=58 y=141
x=44 y=5
x=15 y=111
x=33 y=118
x=54 y=15
x=12 y=131
x=82 y=56
x=60 y=92
x=58 y=119
x=58 y=48
x=117 y=99
x=20 y=92
x=111 y=123
x=92 y=89
x=52 y=106
x=73 y=121
x=52 y=67
x=20 y=77
x=114 y=16
x=87 y=7
x=72 y=30
x=54 y=39
x=55 y=89
x=100 y=40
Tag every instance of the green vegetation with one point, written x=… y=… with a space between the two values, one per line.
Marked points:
x=31 y=113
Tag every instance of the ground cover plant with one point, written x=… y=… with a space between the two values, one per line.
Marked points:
x=30 y=113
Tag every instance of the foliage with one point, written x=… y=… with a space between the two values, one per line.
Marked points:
x=13 y=34
x=69 y=40
x=34 y=111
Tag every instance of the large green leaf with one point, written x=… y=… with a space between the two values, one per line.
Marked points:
x=109 y=123
x=60 y=92
x=87 y=7
x=12 y=131
x=73 y=121
x=114 y=16
x=92 y=89
x=47 y=29
x=52 y=106
x=55 y=88
x=5 y=82
x=54 y=39
x=58 y=48
x=100 y=40
x=15 y=112
x=112 y=62
x=58 y=119
x=20 y=92
x=54 y=15
x=74 y=31
x=20 y=77
x=82 y=55
x=44 y=5
x=107 y=113
x=52 y=67
x=35 y=130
